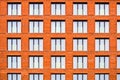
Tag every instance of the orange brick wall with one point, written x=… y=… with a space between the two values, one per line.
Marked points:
x=47 y=53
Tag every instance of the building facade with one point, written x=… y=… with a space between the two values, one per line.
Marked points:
x=59 y=39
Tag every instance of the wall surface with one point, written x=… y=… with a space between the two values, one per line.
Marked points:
x=69 y=35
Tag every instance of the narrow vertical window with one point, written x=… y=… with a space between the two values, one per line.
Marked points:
x=58 y=62
x=35 y=62
x=36 y=8
x=80 y=9
x=58 y=9
x=14 y=9
x=36 y=44
x=14 y=44
x=36 y=26
x=79 y=44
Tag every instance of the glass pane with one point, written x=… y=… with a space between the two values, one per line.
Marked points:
x=96 y=62
x=97 y=9
x=31 y=62
x=107 y=44
x=57 y=9
x=97 y=45
x=41 y=62
x=31 y=9
x=85 y=45
x=53 y=9
x=75 y=45
x=53 y=45
x=118 y=62
x=74 y=9
x=63 y=45
x=19 y=9
x=41 y=9
x=62 y=27
x=9 y=9
x=53 y=62
x=118 y=27
x=75 y=62
x=41 y=26
x=62 y=62
x=97 y=27
x=63 y=9
x=118 y=9
x=9 y=62
x=35 y=9
x=80 y=10
x=74 y=27
x=85 y=9
x=106 y=9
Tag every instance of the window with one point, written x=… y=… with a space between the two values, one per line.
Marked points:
x=118 y=76
x=58 y=62
x=14 y=26
x=36 y=62
x=101 y=62
x=36 y=76
x=58 y=8
x=118 y=62
x=36 y=27
x=58 y=27
x=101 y=9
x=14 y=9
x=14 y=44
x=80 y=9
x=118 y=26
x=58 y=77
x=102 y=77
x=14 y=76
x=14 y=62
x=79 y=44
x=36 y=44
x=79 y=62
x=36 y=9
x=58 y=44
x=101 y=44
x=118 y=44
x=102 y=26
x=79 y=26
x=118 y=9
x=80 y=77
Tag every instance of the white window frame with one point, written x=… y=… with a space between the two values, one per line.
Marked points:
x=58 y=44
x=79 y=44
x=36 y=76
x=35 y=62
x=102 y=27
x=35 y=26
x=14 y=44
x=102 y=9
x=35 y=8
x=80 y=76
x=102 y=44
x=14 y=76
x=58 y=62
x=79 y=8
x=58 y=26
x=36 y=44
x=14 y=62
x=102 y=62
x=58 y=9
x=58 y=76
x=80 y=62
x=14 y=9
x=14 y=26
x=102 y=76
x=80 y=26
